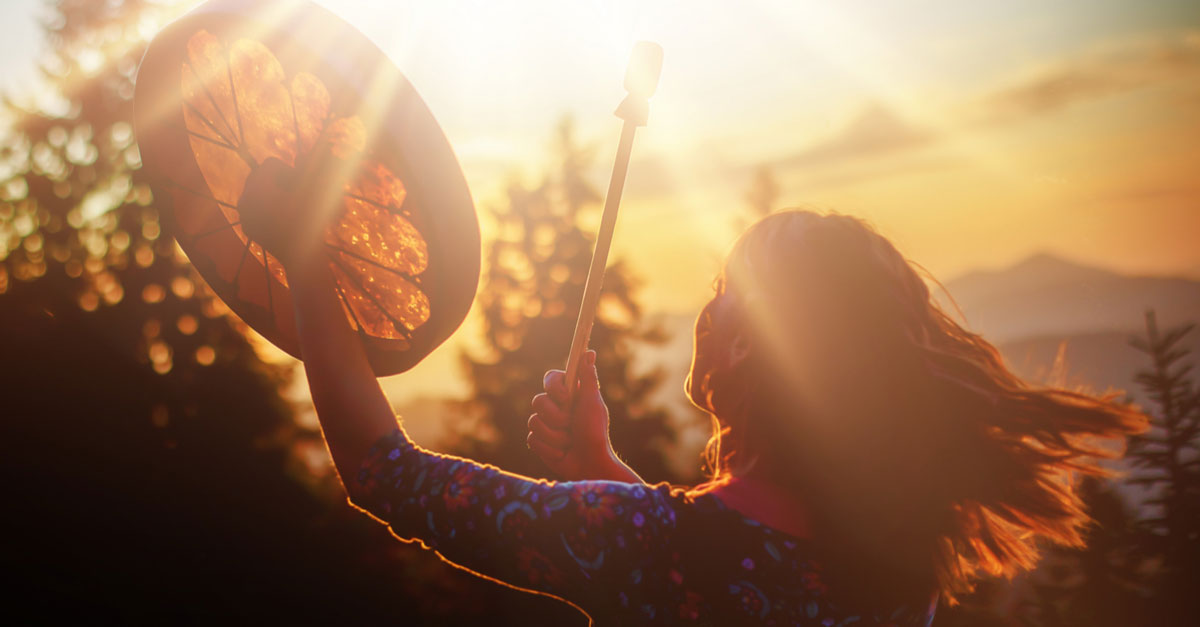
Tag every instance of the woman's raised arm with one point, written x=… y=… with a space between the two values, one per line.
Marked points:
x=286 y=210
x=579 y=541
x=352 y=409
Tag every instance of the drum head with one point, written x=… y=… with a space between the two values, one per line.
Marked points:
x=232 y=84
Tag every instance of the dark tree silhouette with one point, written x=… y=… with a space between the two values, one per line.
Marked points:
x=1167 y=459
x=83 y=245
x=988 y=606
x=152 y=456
x=535 y=271
x=1103 y=583
x=762 y=198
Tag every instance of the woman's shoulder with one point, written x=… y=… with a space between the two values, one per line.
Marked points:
x=705 y=507
x=744 y=568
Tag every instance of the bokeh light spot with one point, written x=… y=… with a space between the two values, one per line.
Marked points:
x=205 y=355
x=153 y=293
x=187 y=324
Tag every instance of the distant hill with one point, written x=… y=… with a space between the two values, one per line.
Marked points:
x=1029 y=309
x=1046 y=296
x=1097 y=361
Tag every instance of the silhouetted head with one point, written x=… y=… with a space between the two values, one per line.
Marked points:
x=828 y=368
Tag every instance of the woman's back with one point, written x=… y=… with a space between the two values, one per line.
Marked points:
x=751 y=572
x=624 y=553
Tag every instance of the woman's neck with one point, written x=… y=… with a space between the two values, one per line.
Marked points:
x=758 y=498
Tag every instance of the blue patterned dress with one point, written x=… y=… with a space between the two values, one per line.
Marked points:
x=626 y=554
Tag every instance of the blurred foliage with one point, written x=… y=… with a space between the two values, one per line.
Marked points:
x=160 y=474
x=535 y=272
x=81 y=244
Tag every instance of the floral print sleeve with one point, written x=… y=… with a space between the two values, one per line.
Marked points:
x=623 y=553
x=579 y=541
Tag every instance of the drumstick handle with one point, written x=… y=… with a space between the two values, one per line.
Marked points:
x=595 y=276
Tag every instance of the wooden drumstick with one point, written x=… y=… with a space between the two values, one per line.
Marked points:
x=641 y=79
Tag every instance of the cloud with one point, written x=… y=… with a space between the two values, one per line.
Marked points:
x=876 y=131
x=1105 y=71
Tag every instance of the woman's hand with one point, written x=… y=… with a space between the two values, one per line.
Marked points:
x=286 y=209
x=573 y=440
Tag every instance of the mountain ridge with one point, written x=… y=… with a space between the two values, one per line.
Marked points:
x=1046 y=295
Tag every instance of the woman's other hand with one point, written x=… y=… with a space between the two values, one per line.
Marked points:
x=571 y=434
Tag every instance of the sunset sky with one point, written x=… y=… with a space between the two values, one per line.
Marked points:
x=973 y=134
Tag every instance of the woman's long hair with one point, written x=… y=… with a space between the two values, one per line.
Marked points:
x=924 y=461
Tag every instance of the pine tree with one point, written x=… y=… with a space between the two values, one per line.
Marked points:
x=80 y=235
x=535 y=272
x=150 y=447
x=1168 y=462
x=762 y=198
x=1102 y=583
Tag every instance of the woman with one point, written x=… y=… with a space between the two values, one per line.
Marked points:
x=869 y=455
